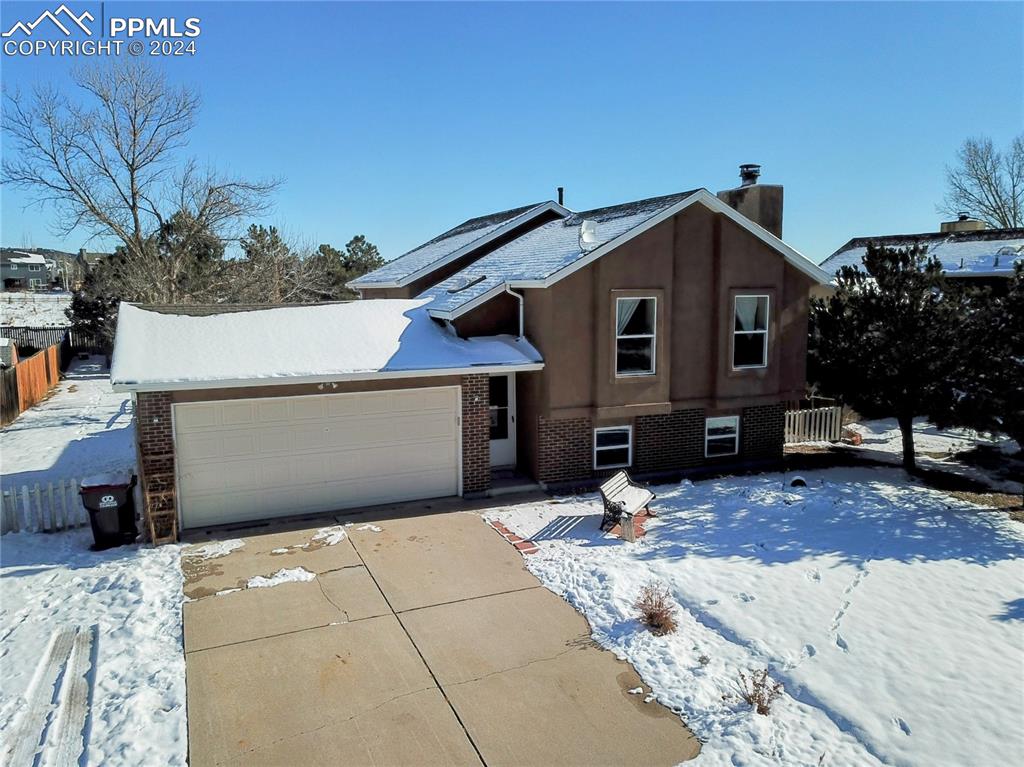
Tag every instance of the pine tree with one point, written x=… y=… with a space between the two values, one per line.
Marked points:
x=886 y=342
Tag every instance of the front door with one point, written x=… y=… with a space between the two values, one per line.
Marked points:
x=503 y=420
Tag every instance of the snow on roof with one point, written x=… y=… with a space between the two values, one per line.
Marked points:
x=541 y=252
x=447 y=246
x=987 y=252
x=26 y=258
x=360 y=340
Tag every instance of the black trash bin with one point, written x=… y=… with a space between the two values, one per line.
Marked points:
x=111 y=505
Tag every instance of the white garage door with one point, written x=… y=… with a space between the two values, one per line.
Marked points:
x=259 y=458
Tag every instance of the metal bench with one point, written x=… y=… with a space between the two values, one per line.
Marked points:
x=623 y=497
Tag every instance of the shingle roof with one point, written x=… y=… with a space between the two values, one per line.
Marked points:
x=966 y=254
x=447 y=246
x=541 y=252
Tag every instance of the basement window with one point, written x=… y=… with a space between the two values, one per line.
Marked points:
x=635 y=320
x=721 y=436
x=613 y=447
x=750 y=332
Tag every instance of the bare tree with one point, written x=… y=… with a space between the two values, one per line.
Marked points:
x=987 y=183
x=113 y=165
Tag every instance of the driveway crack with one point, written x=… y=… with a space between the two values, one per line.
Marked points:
x=515 y=668
x=333 y=603
x=329 y=723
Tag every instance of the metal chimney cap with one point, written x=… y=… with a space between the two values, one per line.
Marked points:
x=749 y=173
x=963 y=215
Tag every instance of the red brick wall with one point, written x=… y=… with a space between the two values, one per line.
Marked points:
x=156 y=452
x=762 y=432
x=668 y=442
x=565 y=449
x=476 y=434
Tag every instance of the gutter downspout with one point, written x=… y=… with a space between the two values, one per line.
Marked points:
x=520 y=299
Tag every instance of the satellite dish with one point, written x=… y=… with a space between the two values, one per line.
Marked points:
x=588 y=232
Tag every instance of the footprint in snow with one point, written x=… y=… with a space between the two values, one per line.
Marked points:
x=899 y=722
x=841 y=643
x=813 y=576
x=744 y=597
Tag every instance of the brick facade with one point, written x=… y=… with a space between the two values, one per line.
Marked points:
x=662 y=444
x=564 y=449
x=762 y=432
x=668 y=442
x=476 y=434
x=156 y=456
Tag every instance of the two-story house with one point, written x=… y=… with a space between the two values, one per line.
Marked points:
x=656 y=335
x=21 y=270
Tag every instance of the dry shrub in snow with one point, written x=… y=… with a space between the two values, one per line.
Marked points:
x=760 y=691
x=656 y=609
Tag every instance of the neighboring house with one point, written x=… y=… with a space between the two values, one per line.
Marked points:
x=23 y=270
x=659 y=336
x=966 y=249
x=62 y=269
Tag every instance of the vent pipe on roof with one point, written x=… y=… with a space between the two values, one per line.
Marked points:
x=561 y=195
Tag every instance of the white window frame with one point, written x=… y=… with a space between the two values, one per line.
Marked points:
x=736 y=443
x=767 y=327
x=13 y=266
x=653 y=335
x=35 y=267
x=629 y=431
x=35 y=282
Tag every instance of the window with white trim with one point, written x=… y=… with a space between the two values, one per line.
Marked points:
x=613 y=447
x=721 y=436
x=14 y=266
x=35 y=267
x=635 y=323
x=750 y=332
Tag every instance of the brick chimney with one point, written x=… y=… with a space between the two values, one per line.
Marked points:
x=761 y=203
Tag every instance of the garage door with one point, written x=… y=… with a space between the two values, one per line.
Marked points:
x=260 y=458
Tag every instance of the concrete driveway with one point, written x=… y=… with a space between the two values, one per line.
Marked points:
x=419 y=639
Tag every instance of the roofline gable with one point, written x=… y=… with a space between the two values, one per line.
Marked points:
x=504 y=228
x=702 y=196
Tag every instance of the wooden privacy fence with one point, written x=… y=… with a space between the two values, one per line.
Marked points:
x=43 y=507
x=819 y=424
x=32 y=379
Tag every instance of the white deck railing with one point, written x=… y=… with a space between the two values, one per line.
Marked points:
x=819 y=424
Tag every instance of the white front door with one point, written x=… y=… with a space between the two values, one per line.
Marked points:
x=503 y=420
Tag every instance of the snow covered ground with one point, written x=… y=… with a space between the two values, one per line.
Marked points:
x=935 y=448
x=83 y=428
x=892 y=613
x=132 y=595
x=34 y=309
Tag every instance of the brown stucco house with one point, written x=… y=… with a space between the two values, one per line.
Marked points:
x=553 y=346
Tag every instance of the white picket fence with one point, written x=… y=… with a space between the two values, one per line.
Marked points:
x=46 y=507
x=819 y=424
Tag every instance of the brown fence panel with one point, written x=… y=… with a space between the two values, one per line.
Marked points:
x=34 y=376
x=8 y=395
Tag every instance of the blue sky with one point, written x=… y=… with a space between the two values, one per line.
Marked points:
x=398 y=121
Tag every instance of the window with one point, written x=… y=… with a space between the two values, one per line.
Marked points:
x=499 y=406
x=750 y=332
x=34 y=267
x=722 y=436
x=14 y=266
x=634 y=336
x=35 y=283
x=613 y=447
